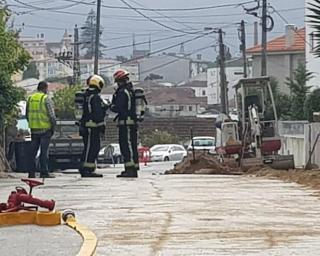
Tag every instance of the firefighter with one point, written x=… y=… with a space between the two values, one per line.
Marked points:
x=92 y=125
x=123 y=103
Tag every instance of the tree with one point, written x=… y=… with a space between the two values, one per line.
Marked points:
x=31 y=71
x=315 y=23
x=14 y=58
x=153 y=76
x=299 y=91
x=88 y=36
x=282 y=101
x=64 y=102
x=312 y=104
x=121 y=58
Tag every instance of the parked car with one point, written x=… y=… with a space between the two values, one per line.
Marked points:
x=167 y=152
x=203 y=143
x=110 y=154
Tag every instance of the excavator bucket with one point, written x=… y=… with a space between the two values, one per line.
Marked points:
x=248 y=163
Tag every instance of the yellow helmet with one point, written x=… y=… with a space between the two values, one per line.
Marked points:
x=95 y=80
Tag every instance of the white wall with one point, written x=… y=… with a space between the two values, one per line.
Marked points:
x=313 y=62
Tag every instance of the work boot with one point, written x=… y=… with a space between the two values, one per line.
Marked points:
x=91 y=175
x=129 y=173
x=31 y=175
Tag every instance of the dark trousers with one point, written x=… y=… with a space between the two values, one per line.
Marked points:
x=91 y=141
x=128 y=140
x=42 y=141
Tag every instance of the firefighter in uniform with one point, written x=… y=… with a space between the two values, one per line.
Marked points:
x=92 y=125
x=123 y=103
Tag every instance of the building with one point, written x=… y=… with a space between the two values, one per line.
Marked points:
x=199 y=87
x=174 y=102
x=107 y=67
x=234 y=72
x=51 y=67
x=198 y=66
x=312 y=61
x=39 y=49
x=171 y=68
x=35 y=46
x=285 y=53
x=65 y=45
x=166 y=101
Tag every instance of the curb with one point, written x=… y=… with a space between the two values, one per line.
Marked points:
x=90 y=240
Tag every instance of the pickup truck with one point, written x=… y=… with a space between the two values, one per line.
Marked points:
x=66 y=146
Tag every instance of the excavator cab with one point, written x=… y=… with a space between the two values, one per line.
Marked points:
x=259 y=124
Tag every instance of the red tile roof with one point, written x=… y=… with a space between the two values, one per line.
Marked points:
x=279 y=44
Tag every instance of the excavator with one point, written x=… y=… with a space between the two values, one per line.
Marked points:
x=254 y=138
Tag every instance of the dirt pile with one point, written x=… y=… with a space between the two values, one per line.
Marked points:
x=204 y=164
x=310 y=178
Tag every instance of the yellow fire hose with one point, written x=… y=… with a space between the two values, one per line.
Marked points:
x=90 y=241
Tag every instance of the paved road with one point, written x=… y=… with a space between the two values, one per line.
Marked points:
x=190 y=215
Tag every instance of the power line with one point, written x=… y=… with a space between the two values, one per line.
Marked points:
x=142 y=43
x=157 y=51
x=155 y=21
x=170 y=9
x=177 y=59
x=45 y=9
x=165 y=16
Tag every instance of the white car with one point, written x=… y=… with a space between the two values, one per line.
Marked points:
x=203 y=143
x=167 y=152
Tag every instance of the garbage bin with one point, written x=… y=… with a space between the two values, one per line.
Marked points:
x=24 y=161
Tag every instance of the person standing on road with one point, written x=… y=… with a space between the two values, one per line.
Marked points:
x=92 y=125
x=123 y=103
x=42 y=120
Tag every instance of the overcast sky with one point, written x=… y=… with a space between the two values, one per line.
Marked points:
x=119 y=25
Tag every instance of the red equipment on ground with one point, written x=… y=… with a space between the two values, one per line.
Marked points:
x=20 y=196
x=144 y=155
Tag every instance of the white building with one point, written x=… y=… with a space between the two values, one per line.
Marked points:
x=107 y=67
x=234 y=70
x=199 y=87
x=312 y=61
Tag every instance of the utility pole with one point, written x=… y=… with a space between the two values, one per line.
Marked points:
x=223 y=80
x=243 y=47
x=96 y=50
x=76 y=56
x=264 y=39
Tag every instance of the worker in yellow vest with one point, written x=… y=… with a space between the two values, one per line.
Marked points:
x=42 y=120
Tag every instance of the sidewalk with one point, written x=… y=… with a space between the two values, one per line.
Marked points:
x=187 y=214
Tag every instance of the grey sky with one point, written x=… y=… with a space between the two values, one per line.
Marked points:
x=119 y=25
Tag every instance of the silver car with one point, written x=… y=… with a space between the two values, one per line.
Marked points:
x=167 y=152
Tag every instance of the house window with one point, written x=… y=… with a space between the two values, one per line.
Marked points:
x=190 y=108
x=203 y=92
x=180 y=108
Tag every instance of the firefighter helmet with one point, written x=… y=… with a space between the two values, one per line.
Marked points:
x=96 y=81
x=120 y=75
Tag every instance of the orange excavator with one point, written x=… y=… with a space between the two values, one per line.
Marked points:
x=254 y=138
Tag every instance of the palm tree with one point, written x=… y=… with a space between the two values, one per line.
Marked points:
x=314 y=20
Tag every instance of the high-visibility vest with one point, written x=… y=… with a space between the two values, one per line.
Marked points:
x=37 y=111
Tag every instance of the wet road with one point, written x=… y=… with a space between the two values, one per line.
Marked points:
x=189 y=215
